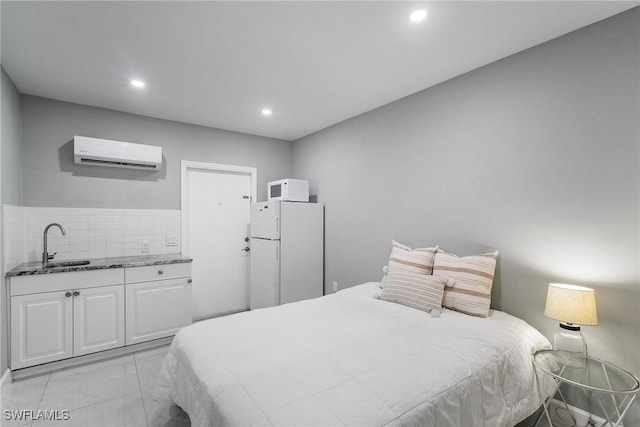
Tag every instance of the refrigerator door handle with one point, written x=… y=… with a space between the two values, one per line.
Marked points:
x=277 y=218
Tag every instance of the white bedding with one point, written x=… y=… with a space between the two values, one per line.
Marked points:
x=351 y=359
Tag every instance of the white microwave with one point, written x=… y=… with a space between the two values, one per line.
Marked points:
x=292 y=190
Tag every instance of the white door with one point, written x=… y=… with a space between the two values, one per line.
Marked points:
x=41 y=328
x=216 y=201
x=157 y=309
x=98 y=319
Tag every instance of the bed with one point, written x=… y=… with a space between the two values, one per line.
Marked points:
x=352 y=359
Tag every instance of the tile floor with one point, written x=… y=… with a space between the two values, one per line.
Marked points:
x=115 y=392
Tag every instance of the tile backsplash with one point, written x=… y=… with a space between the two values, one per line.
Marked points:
x=90 y=232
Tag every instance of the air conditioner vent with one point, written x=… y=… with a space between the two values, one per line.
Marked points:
x=116 y=164
x=118 y=154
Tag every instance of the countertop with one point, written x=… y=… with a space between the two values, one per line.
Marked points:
x=31 y=268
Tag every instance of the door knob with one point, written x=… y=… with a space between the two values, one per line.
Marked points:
x=68 y=294
x=76 y=293
x=247 y=249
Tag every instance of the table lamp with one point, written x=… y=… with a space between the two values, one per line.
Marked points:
x=573 y=306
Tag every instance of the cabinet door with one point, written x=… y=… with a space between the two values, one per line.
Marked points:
x=41 y=328
x=98 y=319
x=157 y=309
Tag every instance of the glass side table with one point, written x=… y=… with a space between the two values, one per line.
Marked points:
x=605 y=379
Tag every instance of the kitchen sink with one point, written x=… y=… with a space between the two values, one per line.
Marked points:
x=68 y=263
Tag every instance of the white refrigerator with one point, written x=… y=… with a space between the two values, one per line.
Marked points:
x=287 y=252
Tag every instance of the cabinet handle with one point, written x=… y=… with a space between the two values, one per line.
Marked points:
x=76 y=293
x=189 y=280
x=160 y=272
x=68 y=294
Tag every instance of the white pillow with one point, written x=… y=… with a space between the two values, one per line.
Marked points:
x=472 y=279
x=418 y=260
x=416 y=290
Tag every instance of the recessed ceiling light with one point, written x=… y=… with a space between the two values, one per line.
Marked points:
x=266 y=112
x=418 y=15
x=137 y=83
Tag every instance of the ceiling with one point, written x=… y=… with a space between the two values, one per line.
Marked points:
x=313 y=64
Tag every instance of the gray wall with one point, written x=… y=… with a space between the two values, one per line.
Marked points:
x=11 y=136
x=536 y=155
x=11 y=177
x=52 y=179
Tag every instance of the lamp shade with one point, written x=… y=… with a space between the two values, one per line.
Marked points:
x=571 y=304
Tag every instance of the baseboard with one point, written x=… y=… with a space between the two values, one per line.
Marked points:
x=226 y=313
x=559 y=415
x=5 y=377
x=32 y=371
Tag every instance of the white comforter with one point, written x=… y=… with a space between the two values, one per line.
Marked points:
x=351 y=359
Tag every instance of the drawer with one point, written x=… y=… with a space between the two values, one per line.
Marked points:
x=24 y=285
x=157 y=272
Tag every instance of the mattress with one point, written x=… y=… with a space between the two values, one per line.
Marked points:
x=352 y=359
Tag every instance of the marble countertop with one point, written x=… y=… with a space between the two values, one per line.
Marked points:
x=31 y=268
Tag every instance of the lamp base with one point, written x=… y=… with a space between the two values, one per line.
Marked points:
x=570 y=345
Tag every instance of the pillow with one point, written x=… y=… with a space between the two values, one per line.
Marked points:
x=417 y=260
x=473 y=278
x=415 y=290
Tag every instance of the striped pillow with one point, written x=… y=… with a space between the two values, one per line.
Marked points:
x=417 y=260
x=473 y=276
x=415 y=290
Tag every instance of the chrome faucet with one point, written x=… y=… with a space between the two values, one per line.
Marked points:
x=45 y=256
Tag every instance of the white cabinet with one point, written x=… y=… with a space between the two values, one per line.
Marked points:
x=158 y=301
x=98 y=319
x=157 y=309
x=56 y=316
x=41 y=328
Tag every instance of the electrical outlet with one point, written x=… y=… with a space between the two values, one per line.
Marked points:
x=172 y=240
x=145 y=247
x=335 y=286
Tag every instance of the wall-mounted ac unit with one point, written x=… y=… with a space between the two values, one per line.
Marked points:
x=118 y=154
